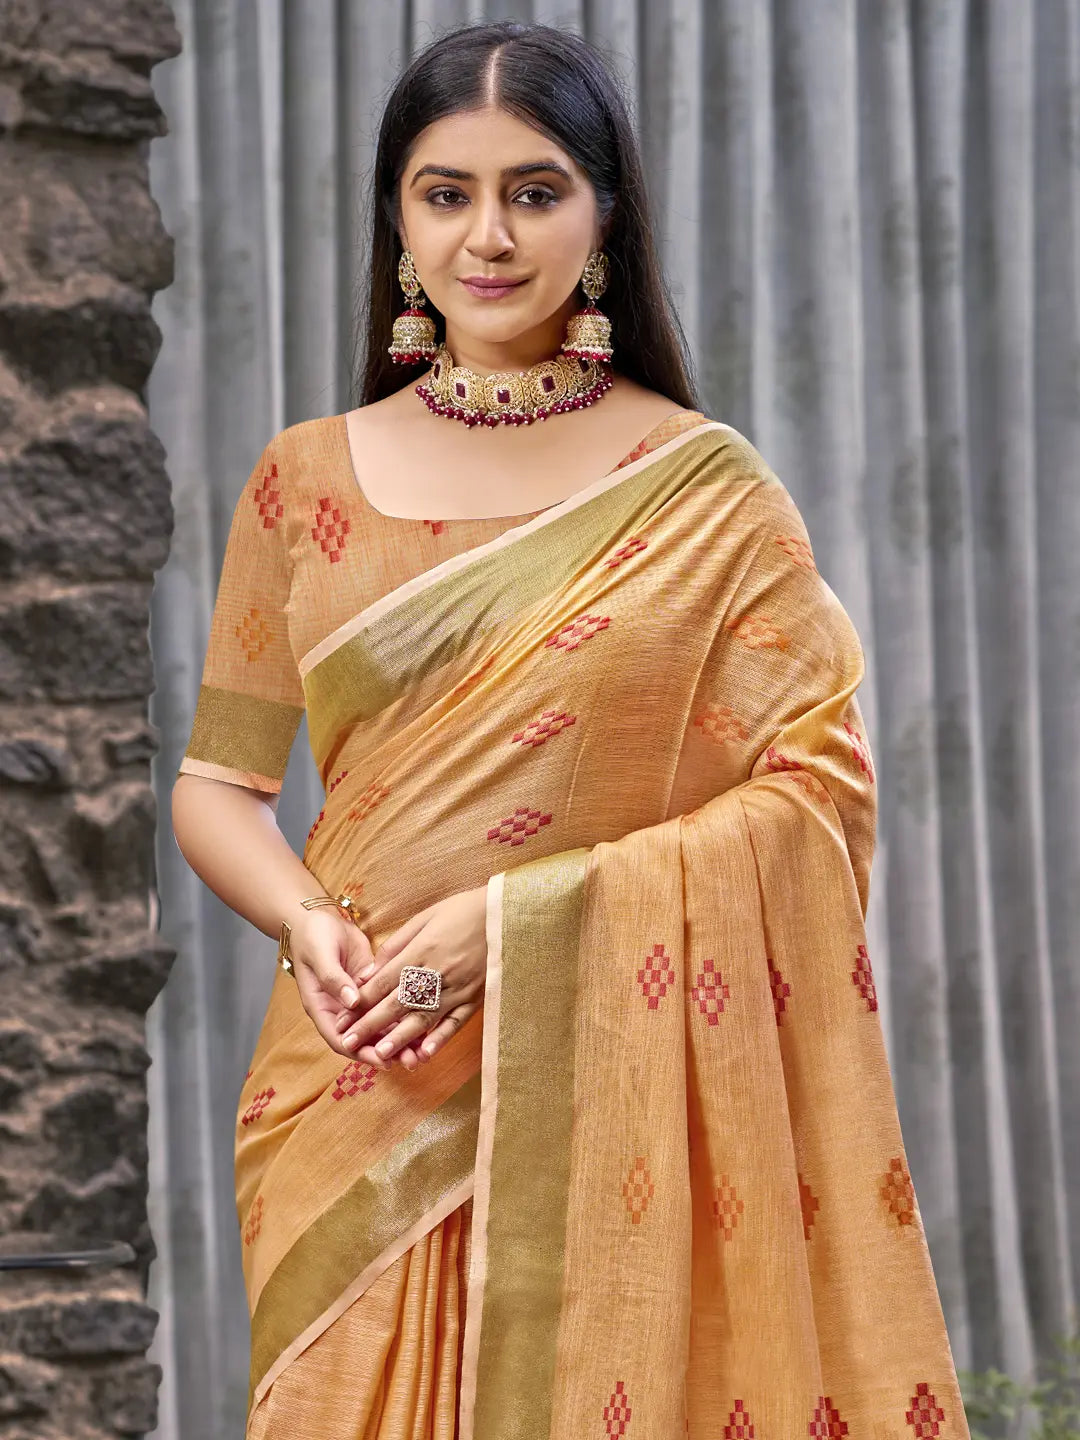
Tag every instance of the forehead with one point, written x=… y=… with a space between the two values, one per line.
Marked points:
x=483 y=142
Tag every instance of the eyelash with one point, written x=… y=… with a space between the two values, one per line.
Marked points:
x=550 y=197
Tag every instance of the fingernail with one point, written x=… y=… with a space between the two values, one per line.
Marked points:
x=350 y=995
x=367 y=971
x=351 y=1041
x=385 y=1046
x=428 y=1049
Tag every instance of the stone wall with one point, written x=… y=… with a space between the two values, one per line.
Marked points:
x=85 y=520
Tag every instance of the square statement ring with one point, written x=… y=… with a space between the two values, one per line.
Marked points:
x=419 y=988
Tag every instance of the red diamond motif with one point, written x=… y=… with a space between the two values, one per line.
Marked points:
x=710 y=992
x=330 y=528
x=925 y=1415
x=550 y=723
x=825 y=1423
x=617 y=1411
x=863 y=978
x=517 y=828
x=267 y=500
x=356 y=1077
x=739 y=1425
x=258 y=1104
x=780 y=990
x=632 y=547
x=656 y=975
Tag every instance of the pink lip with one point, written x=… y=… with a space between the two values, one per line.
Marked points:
x=478 y=285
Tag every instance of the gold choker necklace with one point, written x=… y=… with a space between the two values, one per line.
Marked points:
x=512 y=397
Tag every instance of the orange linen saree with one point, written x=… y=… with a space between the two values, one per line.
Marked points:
x=656 y=1187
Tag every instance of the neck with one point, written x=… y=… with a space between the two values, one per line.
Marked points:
x=519 y=353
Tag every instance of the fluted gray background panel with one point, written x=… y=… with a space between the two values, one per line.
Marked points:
x=869 y=212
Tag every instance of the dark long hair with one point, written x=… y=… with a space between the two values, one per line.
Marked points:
x=561 y=85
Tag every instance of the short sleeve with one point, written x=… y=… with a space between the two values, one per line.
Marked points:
x=251 y=699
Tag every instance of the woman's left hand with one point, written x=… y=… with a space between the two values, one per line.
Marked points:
x=450 y=937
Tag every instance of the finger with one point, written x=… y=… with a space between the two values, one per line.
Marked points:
x=403 y=1027
x=413 y=1027
x=448 y=1025
x=394 y=943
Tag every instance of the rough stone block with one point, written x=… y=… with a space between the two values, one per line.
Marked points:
x=128 y=977
x=102 y=332
x=126 y=1398
x=87 y=501
x=62 y=1328
x=89 y=643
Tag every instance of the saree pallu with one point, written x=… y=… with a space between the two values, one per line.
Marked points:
x=656 y=1187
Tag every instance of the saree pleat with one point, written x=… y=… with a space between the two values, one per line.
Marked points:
x=656 y=1187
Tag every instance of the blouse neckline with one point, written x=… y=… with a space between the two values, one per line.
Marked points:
x=524 y=515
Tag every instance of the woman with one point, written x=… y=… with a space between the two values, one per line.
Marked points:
x=570 y=1114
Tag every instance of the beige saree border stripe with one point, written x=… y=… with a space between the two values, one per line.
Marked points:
x=519 y=1276
x=236 y=730
x=395 y=1197
x=367 y=1277
x=251 y=778
x=454 y=563
x=489 y=1099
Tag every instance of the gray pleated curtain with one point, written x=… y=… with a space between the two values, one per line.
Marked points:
x=870 y=219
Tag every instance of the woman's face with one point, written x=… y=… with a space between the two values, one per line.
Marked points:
x=485 y=195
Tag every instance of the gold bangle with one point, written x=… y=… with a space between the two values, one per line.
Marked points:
x=284 y=958
x=344 y=903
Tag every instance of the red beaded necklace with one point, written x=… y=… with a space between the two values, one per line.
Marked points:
x=512 y=397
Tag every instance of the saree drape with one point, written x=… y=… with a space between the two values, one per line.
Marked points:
x=657 y=1186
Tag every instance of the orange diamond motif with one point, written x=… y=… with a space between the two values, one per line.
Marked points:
x=899 y=1193
x=798 y=549
x=537 y=731
x=583 y=628
x=370 y=800
x=810 y=1204
x=254 y=634
x=861 y=751
x=721 y=723
x=254 y=1221
x=758 y=633
x=638 y=1190
x=726 y=1207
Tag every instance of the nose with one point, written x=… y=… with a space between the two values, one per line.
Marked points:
x=489 y=233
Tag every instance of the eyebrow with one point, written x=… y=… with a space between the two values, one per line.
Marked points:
x=529 y=168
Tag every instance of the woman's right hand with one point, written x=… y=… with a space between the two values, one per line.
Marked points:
x=328 y=952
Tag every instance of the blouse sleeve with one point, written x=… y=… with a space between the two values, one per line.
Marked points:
x=251 y=699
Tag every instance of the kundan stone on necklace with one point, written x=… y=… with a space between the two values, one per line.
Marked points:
x=513 y=397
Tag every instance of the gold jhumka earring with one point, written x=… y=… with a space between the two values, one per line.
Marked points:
x=588 y=331
x=414 y=332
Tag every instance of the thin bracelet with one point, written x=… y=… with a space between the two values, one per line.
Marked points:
x=344 y=903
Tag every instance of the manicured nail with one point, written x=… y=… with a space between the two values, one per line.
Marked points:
x=367 y=971
x=385 y=1046
x=350 y=995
